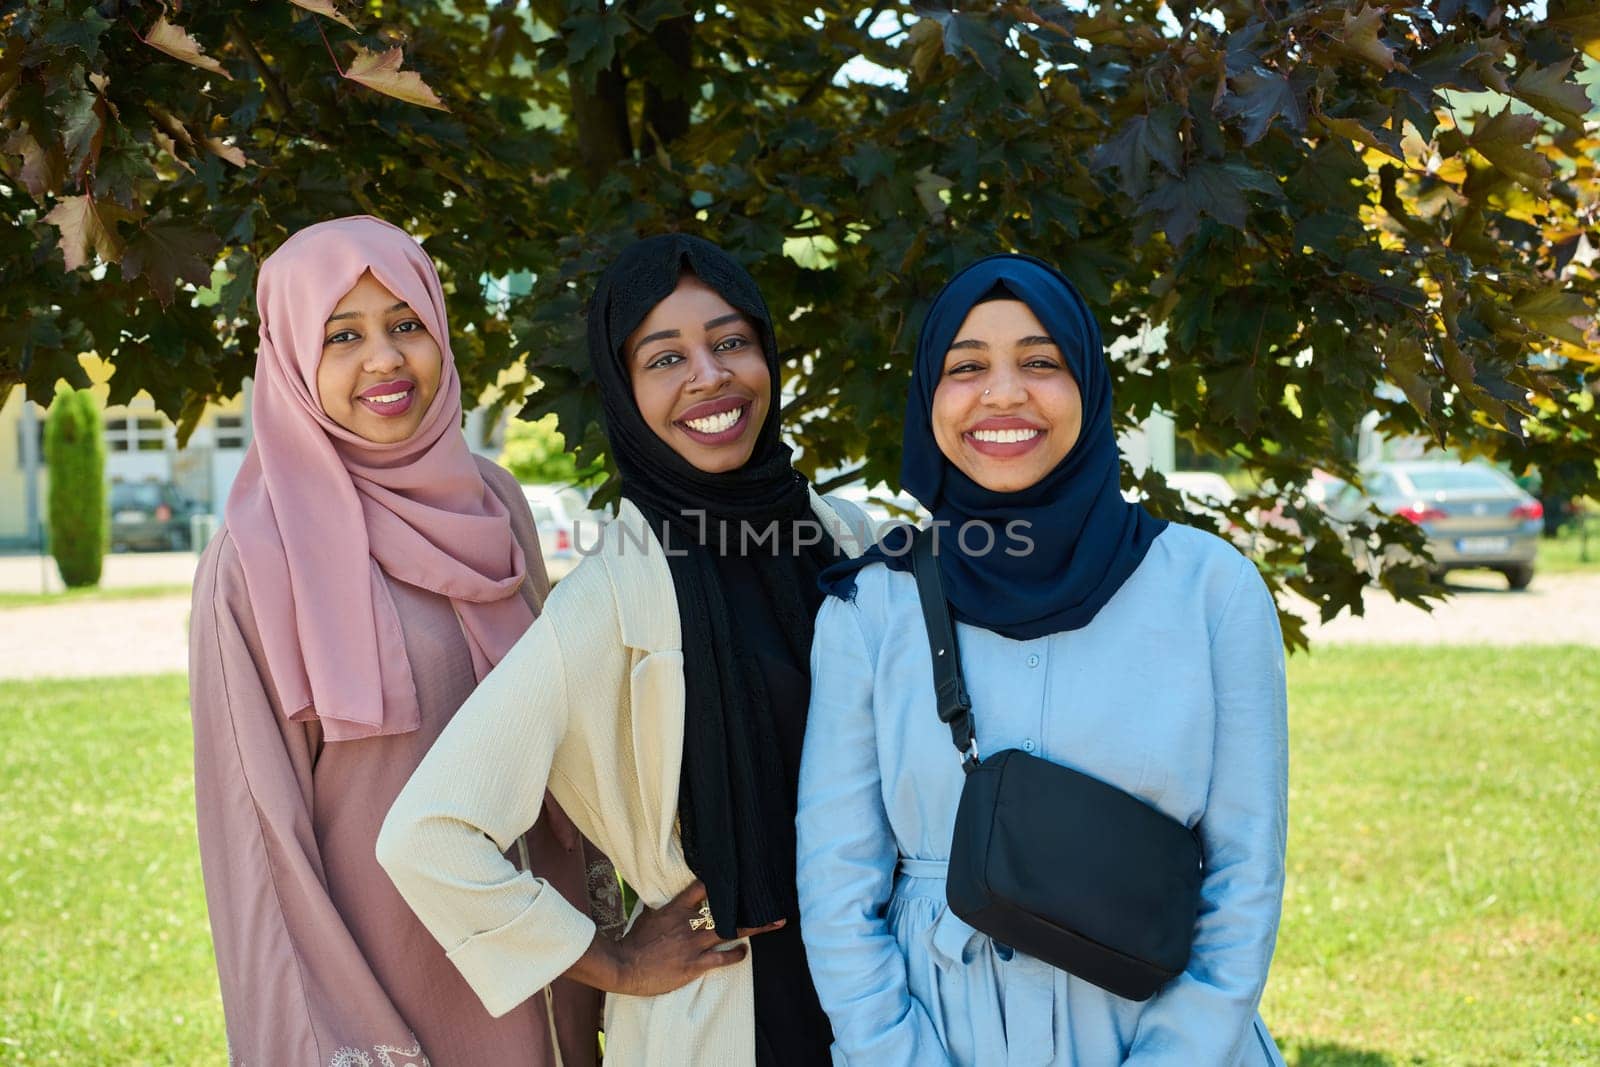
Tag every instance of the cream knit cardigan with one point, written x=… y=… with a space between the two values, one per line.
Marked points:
x=589 y=704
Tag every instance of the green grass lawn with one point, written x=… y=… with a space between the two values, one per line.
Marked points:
x=108 y=956
x=1565 y=554
x=1441 y=907
x=1444 y=859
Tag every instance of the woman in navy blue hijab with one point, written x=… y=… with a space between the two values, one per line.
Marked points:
x=1090 y=539
x=1091 y=634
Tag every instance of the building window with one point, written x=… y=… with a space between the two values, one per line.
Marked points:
x=140 y=433
x=228 y=431
x=150 y=434
x=37 y=424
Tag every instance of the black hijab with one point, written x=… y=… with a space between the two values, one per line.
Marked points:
x=1086 y=539
x=735 y=807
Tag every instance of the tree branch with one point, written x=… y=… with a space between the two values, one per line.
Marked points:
x=329 y=47
x=843 y=478
x=269 y=77
x=820 y=83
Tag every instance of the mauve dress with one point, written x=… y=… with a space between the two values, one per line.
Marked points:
x=320 y=960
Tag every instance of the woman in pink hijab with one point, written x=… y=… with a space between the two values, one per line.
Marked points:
x=370 y=570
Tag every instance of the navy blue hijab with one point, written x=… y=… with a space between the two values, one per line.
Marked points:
x=1086 y=538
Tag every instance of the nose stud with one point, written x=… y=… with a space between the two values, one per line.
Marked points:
x=986 y=392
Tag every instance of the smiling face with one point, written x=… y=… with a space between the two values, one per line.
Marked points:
x=380 y=367
x=1007 y=409
x=700 y=377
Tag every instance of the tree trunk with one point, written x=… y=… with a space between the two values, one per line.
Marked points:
x=601 y=118
x=667 y=108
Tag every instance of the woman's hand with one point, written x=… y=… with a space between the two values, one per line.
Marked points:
x=661 y=951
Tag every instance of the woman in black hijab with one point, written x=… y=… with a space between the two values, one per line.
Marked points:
x=678 y=654
x=745 y=681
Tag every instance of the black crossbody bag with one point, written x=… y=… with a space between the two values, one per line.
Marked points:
x=1053 y=862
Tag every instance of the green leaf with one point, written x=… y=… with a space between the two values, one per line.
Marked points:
x=121 y=170
x=1260 y=95
x=1580 y=19
x=1209 y=189
x=1358 y=35
x=1406 y=364
x=1503 y=140
x=1548 y=89
x=81 y=30
x=1234 y=393
x=591 y=39
x=1555 y=312
x=82 y=130
x=868 y=163
x=22 y=336
x=1448 y=63
x=973 y=35
x=1331 y=177
x=1418 y=110
x=1384 y=139
x=1142 y=139
x=1326 y=232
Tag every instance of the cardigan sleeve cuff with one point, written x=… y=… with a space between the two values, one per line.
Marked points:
x=510 y=963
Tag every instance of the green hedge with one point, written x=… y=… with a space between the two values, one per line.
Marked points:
x=75 y=448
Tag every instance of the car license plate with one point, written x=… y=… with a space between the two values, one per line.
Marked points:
x=129 y=516
x=1480 y=545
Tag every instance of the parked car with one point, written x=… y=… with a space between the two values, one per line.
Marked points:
x=562 y=516
x=152 y=515
x=1474 y=516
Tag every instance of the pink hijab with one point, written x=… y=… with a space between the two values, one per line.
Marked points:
x=320 y=514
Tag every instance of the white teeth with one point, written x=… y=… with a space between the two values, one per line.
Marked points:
x=715 y=423
x=1004 y=437
x=389 y=398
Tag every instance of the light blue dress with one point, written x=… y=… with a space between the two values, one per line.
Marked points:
x=1175 y=693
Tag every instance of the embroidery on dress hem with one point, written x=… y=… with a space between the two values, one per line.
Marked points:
x=413 y=1056
x=354 y=1057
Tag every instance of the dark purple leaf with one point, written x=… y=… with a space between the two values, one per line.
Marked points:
x=166 y=254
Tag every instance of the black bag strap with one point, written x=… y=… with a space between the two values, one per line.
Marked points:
x=949 y=687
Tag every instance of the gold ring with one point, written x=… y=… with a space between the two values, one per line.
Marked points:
x=703 y=921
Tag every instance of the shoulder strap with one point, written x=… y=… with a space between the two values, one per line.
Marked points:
x=949 y=688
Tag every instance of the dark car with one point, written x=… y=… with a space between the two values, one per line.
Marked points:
x=150 y=515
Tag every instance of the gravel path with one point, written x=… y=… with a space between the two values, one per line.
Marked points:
x=1554 y=610
x=87 y=639
x=122 y=570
